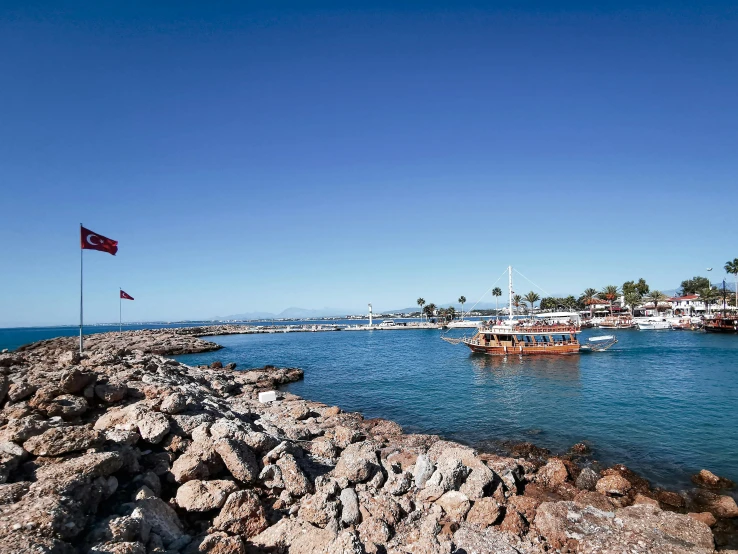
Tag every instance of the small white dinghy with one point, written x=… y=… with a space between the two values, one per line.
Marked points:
x=599 y=344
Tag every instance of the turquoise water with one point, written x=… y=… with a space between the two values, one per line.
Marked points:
x=661 y=402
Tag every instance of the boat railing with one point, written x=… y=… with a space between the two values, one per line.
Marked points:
x=521 y=330
x=541 y=344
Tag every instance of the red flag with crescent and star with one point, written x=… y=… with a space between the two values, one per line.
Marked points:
x=93 y=241
x=125 y=296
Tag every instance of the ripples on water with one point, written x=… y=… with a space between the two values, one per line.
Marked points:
x=661 y=402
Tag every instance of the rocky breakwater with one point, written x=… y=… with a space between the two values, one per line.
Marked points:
x=124 y=451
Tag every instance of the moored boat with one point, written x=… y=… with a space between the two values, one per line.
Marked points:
x=653 y=324
x=721 y=324
x=617 y=322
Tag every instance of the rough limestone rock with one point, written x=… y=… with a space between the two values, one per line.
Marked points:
x=242 y=514
x=374 y=530
x=238 y=458
x=162 y=518
x=479 y=482
x=174 y=403
x=111 y=392
x=449 y=475
x=62 y=440
x=455 y=504
x=587 y=479
x=20 y=429
x=75 y=380
x=475 y=541
x=553 y=474
x=642 y=528
x=484 y=512
x=201 y=496
x=295 y=481
x=319 y=509
x=67 y=406
x=216 y=543
x=153 y=426
x=294 y=536
x=11 y=456
x=709 y=480
x=350 y=513
x=358 y=462
x=718 y=505
x=613 y=485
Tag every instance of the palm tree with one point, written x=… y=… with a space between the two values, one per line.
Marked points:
x=462 y=301
x=531 y=298
x=517 y=300
x=708 y=295
x=610 y=293
x=429 y=310
x=633 y=299
x=497 y=292
x=588 y=297
x=451 y=312
x=421 y=303
x=732 y=268
x=656 y=296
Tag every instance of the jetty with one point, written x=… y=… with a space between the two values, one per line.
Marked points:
x=123 y=449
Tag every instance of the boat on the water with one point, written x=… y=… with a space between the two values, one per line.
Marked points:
x=617 y=322
x=654 y=324
x=510 y=336
x=721 y=324
x=464 y=324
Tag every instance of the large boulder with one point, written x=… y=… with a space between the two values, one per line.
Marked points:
x=641 y=528
x=718 y=505
x=613 y=485
x=350 y=513
x=58 y=441
x=295 y=481
x=153 y=426
x=484 y=512
x=553 y=474
x=242 y=514
x=709 y=480
x=358 y=462
x=238 y=459
x=455 y=504
x=201 y=496
x=162 y=518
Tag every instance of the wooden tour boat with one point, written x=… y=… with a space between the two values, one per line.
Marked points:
x=510 y=336
x=721 y=324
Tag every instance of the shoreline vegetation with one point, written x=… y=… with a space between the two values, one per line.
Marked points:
x=123 y=450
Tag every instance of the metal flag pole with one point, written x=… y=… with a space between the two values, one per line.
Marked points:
x=81 y=250
x=120 y=311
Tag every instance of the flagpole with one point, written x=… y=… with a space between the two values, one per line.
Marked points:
x=81 y=250
x=120 y=311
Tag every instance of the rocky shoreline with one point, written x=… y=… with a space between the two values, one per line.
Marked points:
x=126 y=451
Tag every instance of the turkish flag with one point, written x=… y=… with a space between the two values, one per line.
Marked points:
x=125 y=296
x=93 y=241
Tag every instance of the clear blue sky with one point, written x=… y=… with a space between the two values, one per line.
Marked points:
x=251 y=160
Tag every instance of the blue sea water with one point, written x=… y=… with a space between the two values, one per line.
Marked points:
x=662 y=402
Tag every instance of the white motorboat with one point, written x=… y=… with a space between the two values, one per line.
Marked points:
x=657 y=324
x=464 y=324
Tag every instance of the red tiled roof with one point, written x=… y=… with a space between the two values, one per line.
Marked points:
x=685 y=297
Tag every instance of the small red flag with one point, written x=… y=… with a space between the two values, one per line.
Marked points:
x=93 y=241
x=125 y=296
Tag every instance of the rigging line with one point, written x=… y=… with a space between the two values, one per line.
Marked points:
x=531 y=282
x=485 y=294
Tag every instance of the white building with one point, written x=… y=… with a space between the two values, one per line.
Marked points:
x=688 y=304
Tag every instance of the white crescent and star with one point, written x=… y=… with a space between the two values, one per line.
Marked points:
x=89 y=240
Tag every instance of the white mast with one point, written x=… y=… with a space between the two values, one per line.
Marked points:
x=370 y=315
x=509 y=292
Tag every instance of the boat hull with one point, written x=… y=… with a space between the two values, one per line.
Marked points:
x=538 y=350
